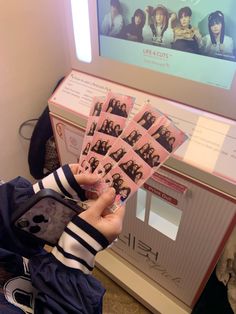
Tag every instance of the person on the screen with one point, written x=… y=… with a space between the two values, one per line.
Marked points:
x=145 y=117
x=133 y=170
x=186 y=37
x=117 y=182
x=159 y=29
x=93 y=163
x=103 y=128
x=116 y=107
x=164 y=138
x=113 y=21
x=216 y=43
x=134 y=30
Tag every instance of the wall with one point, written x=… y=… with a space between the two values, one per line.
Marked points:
x=33 y=59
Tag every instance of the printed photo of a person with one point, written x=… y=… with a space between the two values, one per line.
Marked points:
x=147 y=117
x=110 y=124
x=118 y=104
x=96 y=106
x=101 y=143
x=169 y=137
x=135 y=167
x=105 y=166
x=118 y=150
x=132 y=133
x=122 y=184
x=151 y=151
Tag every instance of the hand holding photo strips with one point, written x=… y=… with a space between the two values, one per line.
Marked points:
x=125 y=160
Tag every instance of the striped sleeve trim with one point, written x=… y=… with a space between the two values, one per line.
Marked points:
x=62 y=181
x=79 y=244
x=94 y=233
x=76 y=188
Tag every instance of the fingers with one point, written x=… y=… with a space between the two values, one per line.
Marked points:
x=120 y=212
x=104 y=201
x=87 y=178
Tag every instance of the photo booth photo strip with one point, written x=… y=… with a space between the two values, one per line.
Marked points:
x=125 y=162
x=110 y=122
x=118 y=104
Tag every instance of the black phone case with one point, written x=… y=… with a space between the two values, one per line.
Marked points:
x=45 y=215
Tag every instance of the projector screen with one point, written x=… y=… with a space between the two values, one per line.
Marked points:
x=182 y=50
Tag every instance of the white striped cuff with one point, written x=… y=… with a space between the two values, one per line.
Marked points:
x=79 y=244
x=62 y=181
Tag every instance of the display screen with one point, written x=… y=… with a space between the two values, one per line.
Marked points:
x=190 y=39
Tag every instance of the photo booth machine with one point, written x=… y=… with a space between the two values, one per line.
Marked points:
x=177 y=224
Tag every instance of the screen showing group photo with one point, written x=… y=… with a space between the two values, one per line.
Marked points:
x=191 y=39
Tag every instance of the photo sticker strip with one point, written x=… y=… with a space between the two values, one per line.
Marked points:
x=97 y=106
x=111 y=124
x=151 y=151
x=168 y=135
x=148 y=116
x=95 y=111
x=132 y=133
x=122 y=184
x=118 y=104
x=105 y=165
x=102 y=143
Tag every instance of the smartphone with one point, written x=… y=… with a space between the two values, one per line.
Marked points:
x=45 y=215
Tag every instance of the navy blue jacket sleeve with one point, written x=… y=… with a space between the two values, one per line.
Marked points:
x=63 y=277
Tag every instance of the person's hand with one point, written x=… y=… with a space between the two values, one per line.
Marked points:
x=102 y=218
x=85 y=179
x=98 y=214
